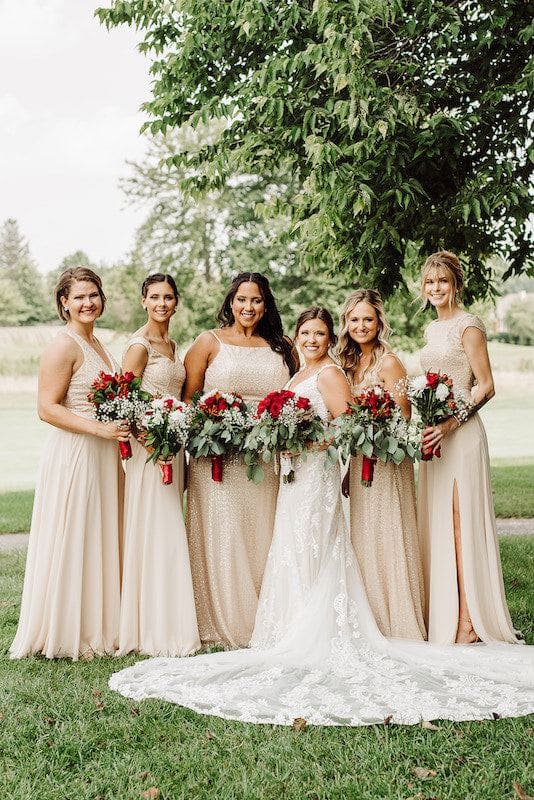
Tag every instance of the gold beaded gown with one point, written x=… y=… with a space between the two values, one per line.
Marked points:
x=464 y=461
x=384 y=534
x=230 y=524
x=71 y=594
x=157 y=604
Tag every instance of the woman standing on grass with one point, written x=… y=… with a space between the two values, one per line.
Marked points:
x=230 y=524
x=466 y=598
x=383 y=518
x=71 y=594
x=157 y=604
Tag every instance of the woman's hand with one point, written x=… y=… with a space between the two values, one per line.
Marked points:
x=434 y=434
x=116 y=431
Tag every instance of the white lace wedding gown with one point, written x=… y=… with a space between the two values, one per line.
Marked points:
x=316 y=652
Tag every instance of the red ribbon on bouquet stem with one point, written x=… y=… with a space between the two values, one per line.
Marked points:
x=125 y=449
x=166 y=472
x=217 y=468
x=368 y=470
x=428 y=453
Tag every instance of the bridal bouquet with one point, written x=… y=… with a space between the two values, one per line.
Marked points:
x=285 y=423
x=165 y=425
x=374 y=425
x=433 y=397
x=118 y=397
x=219 y=425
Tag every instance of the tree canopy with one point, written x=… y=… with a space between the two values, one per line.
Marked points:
x=404 y=126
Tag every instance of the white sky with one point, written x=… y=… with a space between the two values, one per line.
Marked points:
x=70 y=93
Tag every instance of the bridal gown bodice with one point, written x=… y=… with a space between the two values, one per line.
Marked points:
x=316 y=651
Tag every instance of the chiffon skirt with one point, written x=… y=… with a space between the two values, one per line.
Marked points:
x=71 y=594
x=157 y=604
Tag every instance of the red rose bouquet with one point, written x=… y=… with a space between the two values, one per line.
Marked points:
x=219 y=425
x=285 y=423
x=166 y=424
x=433 y=397
x=374 y=426
x=116 y=398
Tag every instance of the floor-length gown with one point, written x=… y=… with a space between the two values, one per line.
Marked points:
x=157 y=604
x=383 y=525
x=71 y=594
x=230 y=524
x=464 y=461
x=316 y=651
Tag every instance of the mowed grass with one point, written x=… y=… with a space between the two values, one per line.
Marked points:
x=64 y=734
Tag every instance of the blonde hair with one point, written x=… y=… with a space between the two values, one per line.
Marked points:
x=449 y=263
x=66 y=281
x=349 y=351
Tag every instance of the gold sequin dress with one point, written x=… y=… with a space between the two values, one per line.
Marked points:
x=383 y=525
x=157 y=605
x=230 y=524
x=464 y=460
x=71 y=594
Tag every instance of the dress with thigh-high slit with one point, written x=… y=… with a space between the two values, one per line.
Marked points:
x=464 y=461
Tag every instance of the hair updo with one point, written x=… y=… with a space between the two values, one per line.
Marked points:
x=316 y=312
x=160 y=277
x=449 y=263
x=67 y=280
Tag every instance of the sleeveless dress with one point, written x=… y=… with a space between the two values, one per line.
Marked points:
x=230 y=524
x=464 y=460
x=383 y=525
x=316 y=652
x=71 y=594
x=157 y=604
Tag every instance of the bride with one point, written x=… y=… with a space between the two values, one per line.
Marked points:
x=316 y=651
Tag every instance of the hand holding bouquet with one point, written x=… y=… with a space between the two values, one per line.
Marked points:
x=219 y=425
x=374 y=426
x=285 y=423
x=118 y=398
x=166 y=421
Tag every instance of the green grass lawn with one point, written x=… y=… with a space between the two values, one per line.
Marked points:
x=65 y=736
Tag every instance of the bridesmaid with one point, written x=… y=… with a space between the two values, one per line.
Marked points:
x=157 y=604
x=463 y=573
x=383 y=518
x=71 y=594
x=230 y=524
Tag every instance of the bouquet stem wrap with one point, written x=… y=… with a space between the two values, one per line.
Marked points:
x=125 y=449
x=428 y=453
x=286 y=469
x=166 y=470
x=217 y=468
x=368 y=470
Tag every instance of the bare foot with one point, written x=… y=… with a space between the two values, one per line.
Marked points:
x=466 y=634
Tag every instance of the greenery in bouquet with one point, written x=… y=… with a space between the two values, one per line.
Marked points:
x=118 y=397
x=165 y=430
x=220 y=422
x=285 y=424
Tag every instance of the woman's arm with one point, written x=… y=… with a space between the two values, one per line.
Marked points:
x=391 y=373
x=335 y=390
x=197 y=359
x=135 y=360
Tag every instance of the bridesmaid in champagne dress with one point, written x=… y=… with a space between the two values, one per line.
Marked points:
x=230 y=524
x=383 y=518
x=157 y=605
x=71 y=594
x=466 y=599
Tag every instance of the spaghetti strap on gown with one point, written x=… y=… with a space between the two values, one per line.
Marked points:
x=316 y=652
x=464 y=461
x=157 y=605
x=71 y=594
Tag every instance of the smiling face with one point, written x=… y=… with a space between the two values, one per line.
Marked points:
x=160 y=302
x=83 y=302
x=313 y=339
x=248 y=305
x=362 y=323
x=438 y=288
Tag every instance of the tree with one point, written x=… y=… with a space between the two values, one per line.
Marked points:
x=22 y=292
x=520 y=320
x=403 y=124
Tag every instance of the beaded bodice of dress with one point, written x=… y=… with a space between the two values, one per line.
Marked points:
x=309 y=388
x=252 y=372
x=80 y=383
x=444 y=352
x=162 y=375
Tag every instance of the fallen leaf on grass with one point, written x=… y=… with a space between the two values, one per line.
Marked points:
x=520 y=792
x=299 y=724
x=1 y=716
x=209 y=734
x=150 y=794
x=143 y=775
x=134 y=712
x=530 y=731
x=429 y=726
x=387 y=720
x=97 y=699
x=49 y=721
x=423 y=773
x=495 y=715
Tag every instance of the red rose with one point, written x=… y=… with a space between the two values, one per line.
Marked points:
x=432 y=380
x=303 y=402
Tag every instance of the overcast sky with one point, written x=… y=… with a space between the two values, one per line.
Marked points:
x=70 y=93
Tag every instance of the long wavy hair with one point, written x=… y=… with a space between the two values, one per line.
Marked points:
x=270 y=325
x=349 y=351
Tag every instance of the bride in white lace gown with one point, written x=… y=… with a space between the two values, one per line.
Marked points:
x=316 y=652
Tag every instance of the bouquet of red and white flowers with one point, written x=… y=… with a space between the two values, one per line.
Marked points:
x=433 y=397
x=374 y=425
x=165 y=430
x=285 y=423
x=116 y=398
x=220 y=422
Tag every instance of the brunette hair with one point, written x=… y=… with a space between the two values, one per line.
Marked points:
x=449 y=263
x=160 y=277
x=270 y=325
x=65 y=282
x=348 y=350
x=316 y=312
